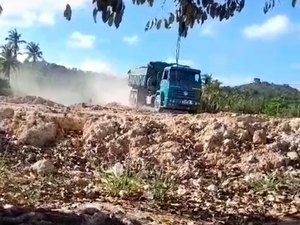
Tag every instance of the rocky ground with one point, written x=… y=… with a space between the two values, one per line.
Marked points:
x=159 y=168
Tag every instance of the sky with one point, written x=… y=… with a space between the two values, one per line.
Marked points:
x=251 y=44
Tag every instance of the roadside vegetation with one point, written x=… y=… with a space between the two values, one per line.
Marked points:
x=254 y=98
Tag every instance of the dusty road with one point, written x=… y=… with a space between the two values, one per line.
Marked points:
x=223 y=167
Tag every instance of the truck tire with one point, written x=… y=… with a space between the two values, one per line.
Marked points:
x=193 y=111
x=133 y=99
x=157 y=103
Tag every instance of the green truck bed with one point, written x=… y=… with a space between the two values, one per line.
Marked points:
x=138 y=77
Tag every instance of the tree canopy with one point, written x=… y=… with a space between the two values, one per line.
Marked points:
x=33 y=52
x=187 y=12
x=14 y=40
x=8 y=61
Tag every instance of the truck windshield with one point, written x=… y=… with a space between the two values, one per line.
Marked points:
x=184 y=76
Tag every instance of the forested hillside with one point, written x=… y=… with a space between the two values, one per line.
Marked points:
x=267 y=89
x=256 y=97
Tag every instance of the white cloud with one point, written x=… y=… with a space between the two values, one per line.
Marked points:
x=212 y=27
x=186 y=62
x=131 y=40
x=97 y=66
x=47 y=18
x=80 y=40
x=272 y=28
x=208 y=30
x=23 y=14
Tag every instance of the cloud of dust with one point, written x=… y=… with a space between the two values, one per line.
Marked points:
x=67 y=87
x=109 y=89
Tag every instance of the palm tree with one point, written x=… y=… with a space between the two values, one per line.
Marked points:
x=14 y=40
x=7 y=60
x=34 y=52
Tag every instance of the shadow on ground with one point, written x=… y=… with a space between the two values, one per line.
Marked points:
x=42 y=216
x=94 y=216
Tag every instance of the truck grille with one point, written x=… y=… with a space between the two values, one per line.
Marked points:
x=191 y=94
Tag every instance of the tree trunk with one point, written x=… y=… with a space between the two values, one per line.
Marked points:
x=7 y=74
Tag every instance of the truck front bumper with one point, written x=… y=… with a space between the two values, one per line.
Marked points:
x=183 y=104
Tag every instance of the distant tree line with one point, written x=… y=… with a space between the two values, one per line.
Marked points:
x=254 y=98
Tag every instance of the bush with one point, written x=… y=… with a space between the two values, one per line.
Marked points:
x=5 y=88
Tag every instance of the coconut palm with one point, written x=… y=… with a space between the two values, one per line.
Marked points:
x=34 y=52
x=7 y=60
x=14 y=40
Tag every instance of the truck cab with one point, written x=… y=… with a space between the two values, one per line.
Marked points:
x=179 y=88
x=163 y=85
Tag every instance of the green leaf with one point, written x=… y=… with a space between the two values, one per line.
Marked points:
x=294 y=2
x=151 y=24
x=105 y=15
x=111 y=20
x=167 y=25
x=212 y=11
x=118 y=19
x=119 y=6
x=147 y=26
x=150 y=2
x=158 y=25
x=171 y=18
x=241 y=5
x=95 y=12
x=68 y=12
x=203 y=17
x=205 y=3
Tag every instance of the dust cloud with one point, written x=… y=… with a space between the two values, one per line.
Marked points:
x=71 y=87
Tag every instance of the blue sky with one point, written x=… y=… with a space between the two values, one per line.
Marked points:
x=249 y=45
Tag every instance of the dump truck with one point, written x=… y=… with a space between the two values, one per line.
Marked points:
x=162 y=86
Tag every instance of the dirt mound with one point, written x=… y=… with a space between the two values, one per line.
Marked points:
x=29 y=100
x=224 y=164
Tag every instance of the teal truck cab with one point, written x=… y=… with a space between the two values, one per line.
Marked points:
x=165 y=86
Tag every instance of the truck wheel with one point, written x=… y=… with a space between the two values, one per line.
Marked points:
x=157 y=103
x=192 y=111
x=133 y=99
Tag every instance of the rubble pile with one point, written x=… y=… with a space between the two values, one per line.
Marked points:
x=225 y=163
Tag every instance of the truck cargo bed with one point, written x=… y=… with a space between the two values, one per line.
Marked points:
x=137 y=77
